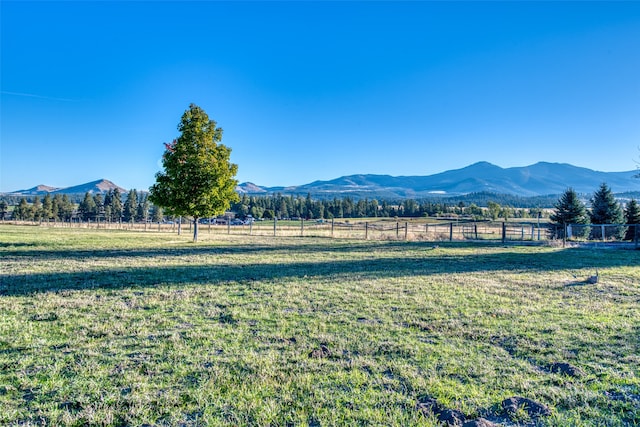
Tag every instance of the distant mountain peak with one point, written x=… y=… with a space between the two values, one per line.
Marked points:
x=249 y=187
x=97 y=186
x=38 y=189
x=93 y=187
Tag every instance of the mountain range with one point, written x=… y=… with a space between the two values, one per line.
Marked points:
x=535 y=180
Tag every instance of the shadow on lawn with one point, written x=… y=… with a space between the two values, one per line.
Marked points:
x=407 y=259
x=183 y=251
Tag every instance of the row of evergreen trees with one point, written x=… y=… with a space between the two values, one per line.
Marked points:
x=605 y=209
x=58 y=207
x=134 y=206
x=288 y=206
x=94 y=207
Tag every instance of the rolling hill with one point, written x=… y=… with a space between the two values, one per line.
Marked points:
x=93 y=187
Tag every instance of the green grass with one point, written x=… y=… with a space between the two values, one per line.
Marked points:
x=134 y=328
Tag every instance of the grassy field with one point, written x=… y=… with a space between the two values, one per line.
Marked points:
x=107 y=327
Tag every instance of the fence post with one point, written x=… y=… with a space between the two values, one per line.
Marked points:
x=275 y=221
x=475 y=230
x=332 y=223
x=301 y=227
x=451 y=232
x=397 y=230
x=504 y=232
x=366 y=231
x=406 y=230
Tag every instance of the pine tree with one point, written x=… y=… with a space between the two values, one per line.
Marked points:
x=570 y=210
x=99 y=209
x=47 y=207
x=605 y=209
x=56 y=204
x=108 y=204
x=156 y=214
x=142 y=212
x=632 y=218
x=130 y=206
x=36 y=209
x=65 y=208
x=23 y=211
x=87 y=207
x=116 y=205
x=4 y=206
x=198 y=178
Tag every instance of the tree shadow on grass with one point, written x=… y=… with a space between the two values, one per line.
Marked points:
x=402 y=263
x=182 y=251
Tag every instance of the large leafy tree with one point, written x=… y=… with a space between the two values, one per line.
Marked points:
x=198 y=178
x=605 y=209
x=569 y=209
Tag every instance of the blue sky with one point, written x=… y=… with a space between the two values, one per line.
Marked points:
x=315 y=90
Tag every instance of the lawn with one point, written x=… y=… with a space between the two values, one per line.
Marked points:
x=111 y=327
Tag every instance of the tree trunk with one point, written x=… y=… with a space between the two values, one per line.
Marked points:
x=195 y=229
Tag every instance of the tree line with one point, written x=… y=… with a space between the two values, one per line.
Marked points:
x=605 y=209
x=110 y=207
x=289 y=206
x=135 y=206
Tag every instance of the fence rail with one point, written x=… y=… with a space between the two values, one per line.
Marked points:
x=393 y=230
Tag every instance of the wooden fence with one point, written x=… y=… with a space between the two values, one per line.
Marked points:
x=451 y=231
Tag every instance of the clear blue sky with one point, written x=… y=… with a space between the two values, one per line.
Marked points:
x=315 y=90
